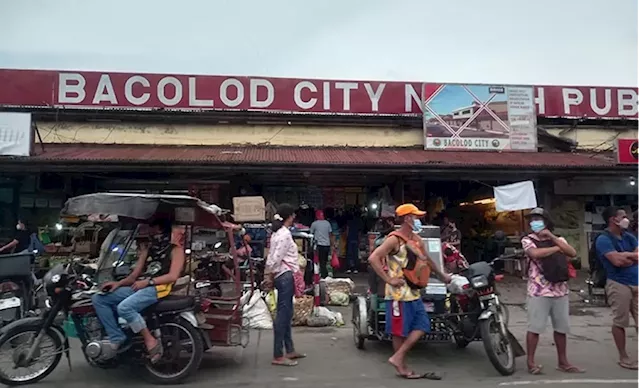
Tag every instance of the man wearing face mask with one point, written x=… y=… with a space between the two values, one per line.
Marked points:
x=617 y=250
x=547 y=289
x=21 y=240
x=406 y=318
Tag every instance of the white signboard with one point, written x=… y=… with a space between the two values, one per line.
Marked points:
x=248 y=209
x=16 y=135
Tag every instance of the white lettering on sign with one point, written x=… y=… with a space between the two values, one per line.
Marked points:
x=411 y=95
x=162 y=90
x=374 y=95
x=128 y=90
x=539 y=101
x=224 y=92
x=627 y=102
x=193 y=95
x=71 y=88
x=593 y=100
x=346 y=87
x=297 y=95
x=104 y=91
x=326 y=95
x=256 y=83
x=571 y=97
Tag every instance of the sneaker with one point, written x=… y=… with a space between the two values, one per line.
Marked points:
x=355 y=271
x=347 y=271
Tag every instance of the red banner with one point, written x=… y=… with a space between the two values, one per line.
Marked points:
x=44 y=88
x=627 y=151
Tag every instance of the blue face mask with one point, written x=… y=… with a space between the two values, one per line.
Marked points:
x=537 y=225
x=417 y=225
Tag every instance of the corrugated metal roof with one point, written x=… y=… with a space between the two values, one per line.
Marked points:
x=347 y=156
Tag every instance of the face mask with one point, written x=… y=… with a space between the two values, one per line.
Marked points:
x=537 y=226
x=18 y=227
x=624 y=223
x=417 y=225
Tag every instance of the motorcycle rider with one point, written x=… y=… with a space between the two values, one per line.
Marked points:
x=159 y=266
x=21 y=239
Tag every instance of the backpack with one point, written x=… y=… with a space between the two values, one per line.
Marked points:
x=598 y=273
x=417 y=272
x=554 y=268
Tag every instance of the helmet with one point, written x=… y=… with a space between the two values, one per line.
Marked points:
x=56 y=277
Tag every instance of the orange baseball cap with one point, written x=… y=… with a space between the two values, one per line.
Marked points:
x=409 y=208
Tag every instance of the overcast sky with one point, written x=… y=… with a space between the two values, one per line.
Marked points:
x=569 y=42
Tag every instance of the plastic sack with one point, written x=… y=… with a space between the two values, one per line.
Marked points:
x=335 y=262
x=302 y=262
x=338 y=298
x=256 y=313
x=457 y=284
x=334 y=317
x=272 y=300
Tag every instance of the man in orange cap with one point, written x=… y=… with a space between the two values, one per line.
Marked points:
x=406 y=318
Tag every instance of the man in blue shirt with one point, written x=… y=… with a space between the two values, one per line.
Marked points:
x=617 y=250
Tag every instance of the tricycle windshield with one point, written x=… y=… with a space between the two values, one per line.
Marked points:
x=113 y=249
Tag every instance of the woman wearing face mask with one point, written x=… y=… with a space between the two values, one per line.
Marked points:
x=21 y=240
x=547 y=295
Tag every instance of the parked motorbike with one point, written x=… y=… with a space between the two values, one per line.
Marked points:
x=477 y=312
x=37 y=344
x=20 y=292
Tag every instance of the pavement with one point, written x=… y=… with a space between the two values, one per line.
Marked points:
x=333 y=361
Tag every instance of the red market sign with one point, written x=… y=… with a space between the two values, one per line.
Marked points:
x=84 y=89
x=627 y=151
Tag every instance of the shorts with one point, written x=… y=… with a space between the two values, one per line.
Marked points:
x=623 y=300
x=541 y=308
x=406 y=317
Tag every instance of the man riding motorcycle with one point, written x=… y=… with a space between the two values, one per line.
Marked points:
x=159 y=266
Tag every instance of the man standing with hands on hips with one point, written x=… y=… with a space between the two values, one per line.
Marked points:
x=406 y=318
x=617 y=250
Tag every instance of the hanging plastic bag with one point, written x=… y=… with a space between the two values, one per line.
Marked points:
x=335 y=262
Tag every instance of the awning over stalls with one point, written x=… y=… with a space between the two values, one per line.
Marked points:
x=103 y=157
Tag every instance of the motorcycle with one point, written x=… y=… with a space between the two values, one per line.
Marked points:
x=20 y=292
x=171 y=320
x=477 y=312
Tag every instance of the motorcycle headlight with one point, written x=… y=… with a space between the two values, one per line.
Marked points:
x=479 y=281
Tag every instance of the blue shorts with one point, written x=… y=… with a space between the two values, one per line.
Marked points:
x=407 y=317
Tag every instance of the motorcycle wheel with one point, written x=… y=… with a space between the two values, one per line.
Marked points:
x=505 y=314
x=155 y=374
x=500 y=353
x=19 y=351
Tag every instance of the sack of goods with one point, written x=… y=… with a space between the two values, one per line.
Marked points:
x=302 y=309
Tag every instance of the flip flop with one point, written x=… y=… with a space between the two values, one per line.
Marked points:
x=570 y=369
x=536 y=370
x=284 y=362
x=416 y=376
x=155 y=353
x=628 y=365
x=296 y=356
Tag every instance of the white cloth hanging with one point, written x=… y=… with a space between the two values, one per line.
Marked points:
x=516 y=196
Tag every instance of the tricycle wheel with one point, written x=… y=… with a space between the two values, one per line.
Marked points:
x=497 y=346
x=358 y=340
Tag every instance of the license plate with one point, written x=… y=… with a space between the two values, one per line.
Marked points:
x=9 y=303
x=429 y=306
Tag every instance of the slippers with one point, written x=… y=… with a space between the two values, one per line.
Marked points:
x=155 y=353
x=628 y=365
x=284 y=362
x=536 y=370
x=296 y=356
x=570 y=369
x=416 y=376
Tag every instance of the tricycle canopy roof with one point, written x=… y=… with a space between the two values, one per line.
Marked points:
x=136 y=206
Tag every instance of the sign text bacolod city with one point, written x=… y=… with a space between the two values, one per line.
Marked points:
x=190 y=92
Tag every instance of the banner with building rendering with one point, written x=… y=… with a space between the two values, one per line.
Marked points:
x=479 y=117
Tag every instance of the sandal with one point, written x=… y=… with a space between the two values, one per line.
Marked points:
x=295 y=356
x=570 y=369
x=535 y=370
x=628 y=365
x=284 y=362
x=155 y=353
x=416 y=376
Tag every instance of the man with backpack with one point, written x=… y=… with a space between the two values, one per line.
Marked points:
x=617 y=251
x=408 y=271
x=547 y=290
